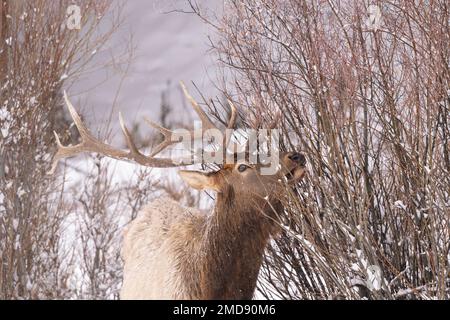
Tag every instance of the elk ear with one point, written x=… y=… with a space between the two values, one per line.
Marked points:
x=200 y=180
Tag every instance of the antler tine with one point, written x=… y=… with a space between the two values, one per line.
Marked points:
x=231 y=123
x=233 y=116
x=90 y=144
x=59 y=155
x=167 y=137
x=128 y=138
x=206 y=122
x=87 y=140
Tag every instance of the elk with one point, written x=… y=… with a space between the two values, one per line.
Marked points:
x=174 y=252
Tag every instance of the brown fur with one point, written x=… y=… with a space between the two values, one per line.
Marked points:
x=182 y=253
x=225 y=264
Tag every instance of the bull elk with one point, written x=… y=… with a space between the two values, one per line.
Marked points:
x=175 y=252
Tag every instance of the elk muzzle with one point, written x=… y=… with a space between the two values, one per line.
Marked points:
x=294 y=164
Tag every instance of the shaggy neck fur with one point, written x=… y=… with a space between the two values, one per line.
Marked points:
x=230 y=249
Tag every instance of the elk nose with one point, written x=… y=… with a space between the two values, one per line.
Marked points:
x=298 y=158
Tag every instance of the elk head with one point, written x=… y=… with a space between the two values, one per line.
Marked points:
x=244 y=179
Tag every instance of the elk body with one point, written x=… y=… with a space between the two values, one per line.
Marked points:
x=175 y=252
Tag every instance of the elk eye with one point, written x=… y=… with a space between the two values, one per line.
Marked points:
x=242 y=168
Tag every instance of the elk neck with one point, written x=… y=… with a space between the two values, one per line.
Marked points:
x=232 y=246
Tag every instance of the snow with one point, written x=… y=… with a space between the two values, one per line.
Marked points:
x=399 y=204
x=5 y=131
x=15 y=224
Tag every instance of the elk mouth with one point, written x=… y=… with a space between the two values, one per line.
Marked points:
x=295 y=174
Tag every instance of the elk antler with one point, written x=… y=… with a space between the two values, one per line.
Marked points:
x=206 y=124
x=91 y=144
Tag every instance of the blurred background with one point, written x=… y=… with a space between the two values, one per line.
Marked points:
x=157 y=44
